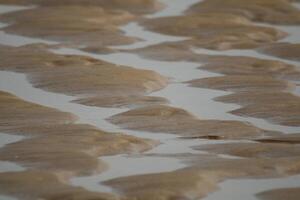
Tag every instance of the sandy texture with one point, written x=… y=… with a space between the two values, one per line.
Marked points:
x=287 y=139
x=254 y=94
x=134 y=6
x=278 y=107
x=269 y=11
x=227 y=65
x=55 y=145
x=240 y=65
x=197 y=181
x=169 y=51
x=95 y=23
x=95 y=81
x=90 y=26
x=280 y=194
x=168 y=119
x=233 y=31
x=283 y=50
x=58 y=149
x=123 y=101
x=260 y=87
x=34 y=185
x=254 y=150
x=239 y=83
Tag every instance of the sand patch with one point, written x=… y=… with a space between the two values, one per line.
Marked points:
x=197 y=181
x=95 y=82
x=278 y=194
x=206 y=30
x=43 y=185
x=134 y=6
x=269 y=11
x=165 y=119
x=54 y=144
x=278 y=107
x=283 y=50
x=254 y=150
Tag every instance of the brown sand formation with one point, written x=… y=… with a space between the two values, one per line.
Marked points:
x=169 y=51
x=199 y=180
x=33 y=185
x=123 y=101
x=206 y=30
x=254 y=150
x=56 y=145
x=260 y=86
x=94 y=81
x=278 y=107
x=240 y=83
x=228 y=65
x=228 y=24
x=70 y=147
x=287 y=139
x=240 y=65
x=268 y=11
x=283 y=50
x=260 y=96
x=88 y=27
x=133 y=6
x=82 y=23
x=168 y=119
x=279 y=194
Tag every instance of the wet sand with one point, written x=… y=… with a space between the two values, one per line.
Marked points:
x=284 y=50
x=95 y=82
x=288 y=193
x=121 y=82
x=269 y=11
x=196 y=182
x=177 y=121
x=71 y=149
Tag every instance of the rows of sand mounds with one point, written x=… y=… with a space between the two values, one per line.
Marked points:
x=261 y=87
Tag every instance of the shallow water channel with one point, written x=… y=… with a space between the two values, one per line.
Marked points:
x=178 y=72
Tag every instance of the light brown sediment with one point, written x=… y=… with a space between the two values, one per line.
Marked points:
x=166 y=119
x=279 y=107
x=34 y=185
x=57 y=150
x=95 y=82
x=95 y=24
x=123 y=101
x=91 y=26
x=169 y=51
x=239 y=83
x=268 y=11
x=55 y=146
x=254 y=150
x=242 y=65
x=288 y=139
x=259 y=96
x=261 y=87
x=227 y=65
x=233 y=31
x=283 y=50
x=279 y=194
x=202 y=178
x=134 y=6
